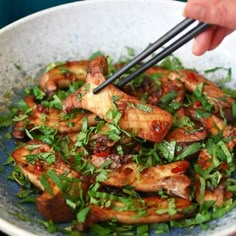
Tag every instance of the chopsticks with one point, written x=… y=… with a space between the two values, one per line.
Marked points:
x=159 y=56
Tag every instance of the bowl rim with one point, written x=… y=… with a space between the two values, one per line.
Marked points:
x=11 y=229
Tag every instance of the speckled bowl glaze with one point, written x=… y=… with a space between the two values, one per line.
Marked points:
x=75 y=31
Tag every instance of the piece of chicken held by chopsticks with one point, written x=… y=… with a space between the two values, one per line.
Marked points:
x=111 y=104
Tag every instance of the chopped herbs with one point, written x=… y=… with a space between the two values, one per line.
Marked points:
x=183 y=121
x=114 y=114
x=144 y=108
x=46 y=185
x=167 y=98
x=80 y=95
x=191 y=149
x=53 y=65
x=5 y=120
x=198 y=92
x=234 y=109
x=141 y=107
x=172 y=63
x=45 y=156
x=227 y=75
x=82 y=214
x=38 y=93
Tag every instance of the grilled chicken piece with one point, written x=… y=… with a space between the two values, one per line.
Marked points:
x=35 y=150
x=185 y=135
x=156 y=211
x=154 y=92
x=204 y=159
x=214 y=125
x=170 y=86
x=217 y=195
x=170 y=177
x=51 y=117
x=156 y=89
x=145 y=121
x=62 y=75
x=187 y=131
x=51 y=206
x=215 y=95
x=147 y=86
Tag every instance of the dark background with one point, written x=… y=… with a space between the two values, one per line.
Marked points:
x=12 y=10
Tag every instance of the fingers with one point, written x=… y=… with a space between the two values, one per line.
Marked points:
x=202 y=42
x=218 y=36
x=209 y=40
x=217 y=12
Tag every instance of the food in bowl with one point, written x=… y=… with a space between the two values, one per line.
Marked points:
x=158 y=150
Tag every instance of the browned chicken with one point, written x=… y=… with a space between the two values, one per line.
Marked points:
x=186 y=135
x=62 y=75
x=145 y=121
x=156 y=210
x=215 y=95
x=170 y=177
x=51 y=205
x=214 y=125
x=155 y=89
x=217 y=195
x=52 y=117
x=31 y=160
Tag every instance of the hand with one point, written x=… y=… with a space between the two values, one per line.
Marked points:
x=220 y=13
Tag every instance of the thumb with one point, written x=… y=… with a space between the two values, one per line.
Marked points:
x=217 y=12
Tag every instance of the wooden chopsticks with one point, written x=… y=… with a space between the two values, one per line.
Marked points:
x=159 y=56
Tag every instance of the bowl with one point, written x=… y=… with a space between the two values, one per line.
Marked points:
x=74 y=31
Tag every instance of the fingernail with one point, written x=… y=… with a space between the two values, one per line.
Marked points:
x=201 y=44
x=195 y=49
